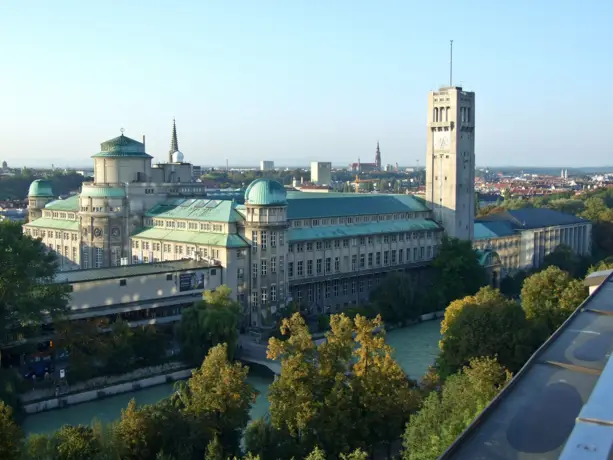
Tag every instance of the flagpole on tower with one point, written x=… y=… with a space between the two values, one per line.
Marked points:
x=450 y=62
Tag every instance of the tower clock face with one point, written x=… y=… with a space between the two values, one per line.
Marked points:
x=441 y=140
x=97 y=232
x=115 y=232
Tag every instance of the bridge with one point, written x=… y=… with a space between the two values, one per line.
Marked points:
x=255 y=353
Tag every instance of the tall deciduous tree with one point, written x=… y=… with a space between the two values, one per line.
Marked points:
x=549 y=297
x=396 y=298
x=75 y=443
x=27 y=292
x=445 y=415
x=495 y=327
x=458 y=270
x=485 y=294
x=10 y=434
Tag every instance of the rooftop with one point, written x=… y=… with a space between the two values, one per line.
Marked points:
x=304 y=205
x=494 y=229
x=347 y=231
x=265 y=192
x=122 y=146
x=192 y=237
x=40 y=187
x=69 y=204
x=124 y=271
x=534 y=415
x=201 y=209
x=56 y=224
x=529 y=218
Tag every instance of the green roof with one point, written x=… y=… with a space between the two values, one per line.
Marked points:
x=125 y=271
x=266 y=192
x=308 y=205
x=103 y=192
x=70 y=204
x=122 y=146
x=191 y=237
x=373 y=228
x=56 y=224
x=202 y=209
x=40 y=187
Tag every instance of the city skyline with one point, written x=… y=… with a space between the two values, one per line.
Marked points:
x=297 y=83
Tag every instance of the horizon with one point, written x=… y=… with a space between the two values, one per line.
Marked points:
x=316 y=79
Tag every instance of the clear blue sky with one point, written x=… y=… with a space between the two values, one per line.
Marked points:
x=294 y=81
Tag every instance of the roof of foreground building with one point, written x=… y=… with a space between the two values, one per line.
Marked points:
x=40 y=187
x=533 y=417
x=120 y=147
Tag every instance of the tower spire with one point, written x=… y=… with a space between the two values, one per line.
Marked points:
x=378 y=157
x=174 y=143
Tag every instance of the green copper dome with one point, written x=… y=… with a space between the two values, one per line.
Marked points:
x=265 y=192
x=122 y=146
x=40 y=187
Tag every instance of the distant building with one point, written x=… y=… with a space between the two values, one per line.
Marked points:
x=360 y=167
x=5 y=165
x=196 y=172
x=266 y=165
x=321 y=172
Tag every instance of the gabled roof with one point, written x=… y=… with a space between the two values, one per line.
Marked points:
x=485 y=230
x=304 y=205
x=202 y=209
x=529 y=218
x=70 y=204
x=374 y=228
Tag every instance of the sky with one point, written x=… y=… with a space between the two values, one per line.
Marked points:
x=297 y=81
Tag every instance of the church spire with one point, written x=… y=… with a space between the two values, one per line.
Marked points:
x=174 y=143
x=378 y=157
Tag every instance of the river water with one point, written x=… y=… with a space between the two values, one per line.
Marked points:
x=415 y=349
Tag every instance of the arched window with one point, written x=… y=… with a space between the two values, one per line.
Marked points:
x=435 y=114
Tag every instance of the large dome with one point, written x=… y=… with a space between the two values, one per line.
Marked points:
x=265 y=192
x=177 y=157
x=40 y=187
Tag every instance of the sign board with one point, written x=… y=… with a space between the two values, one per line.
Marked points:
x=191 y=281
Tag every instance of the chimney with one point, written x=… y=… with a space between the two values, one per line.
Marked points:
x=143 y=139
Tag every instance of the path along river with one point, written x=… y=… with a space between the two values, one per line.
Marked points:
x=416 y=348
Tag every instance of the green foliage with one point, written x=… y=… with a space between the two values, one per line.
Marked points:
x=10 y=434
x=549 y=297
x=511 y=285
x=75 y=443
x=606 y=264
x=16 y=187
x=209 y=322
x=443 y=416
x=268 y=442
x=458 y=271
x=396 y=299
x=26 y=293
x=495 y=327
x=214 y=450
x=564 y=258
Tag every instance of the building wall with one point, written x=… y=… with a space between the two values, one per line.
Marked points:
x=321 y=172
x=450 y=160
x=508 y=248
x=267 y=165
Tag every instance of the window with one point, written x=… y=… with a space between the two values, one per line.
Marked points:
x=169 y=277
x=421 y=253
x=134 y=259
x=414 y=254
x=74 y=255
x=429 y=252
x=361 y=285
x=310 y=293
x=290 y=269
x=370 y=240
x=264 y=241
x=240 y=275
x=254 y=299
x=254 y=238
x=273 y=265
x=309 y=246
x=254 y=271
x=386 y=239
x=328 y=264
x=327 y=290
x=362 y=261
x=273 y=293
x=345 y=287
x=335 y=288
x=400 y=256
x=290 y=248
x=281 y=264
x=362 y=241
x=354 y=262
x=264 y=295
x=85 y=257
x=281 y=239
x=337 y=264
x=98 y=257
x=345 y=243
x=386 y=257
x=337 y=244
x=318 y=266
x=300 y=247
x=273 y=239
x=309 y=268
x=328 y=244
x=122 y=282
x=370 y=259
x=299 y=268
x=378 y=258
x=263 y=266
x=354 y=286
x=318 y=245
x=281 y=290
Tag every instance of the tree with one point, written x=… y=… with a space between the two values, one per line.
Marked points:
x=219 y=398
x=28 y=294
x=212 y=321
x=148 y=345
x=549 y=297
x=511 y=285
x=606 y=264
x=214 y=450
x=75 y=443
x=445 y=415
x=458 y=270
x=10 y=434
x=484 y=295
x=396 y=298
x=385 y=399
x=564 y=258
x=495 y=327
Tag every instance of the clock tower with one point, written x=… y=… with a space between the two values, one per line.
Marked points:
x=450 y=160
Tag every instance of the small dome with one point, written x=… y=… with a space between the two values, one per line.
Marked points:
x=177 y=157
x=40 y=187
x=265 y=192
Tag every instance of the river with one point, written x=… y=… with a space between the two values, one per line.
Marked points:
x=415 y=349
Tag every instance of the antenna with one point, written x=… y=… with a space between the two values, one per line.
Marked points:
x=450 y=62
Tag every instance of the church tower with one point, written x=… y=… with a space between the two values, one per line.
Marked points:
x=174 y=143
x=450 y=160
x=378 y=158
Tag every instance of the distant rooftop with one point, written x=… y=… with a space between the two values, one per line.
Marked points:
x=124 y=271
x=529 y=218
x=532 y=418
